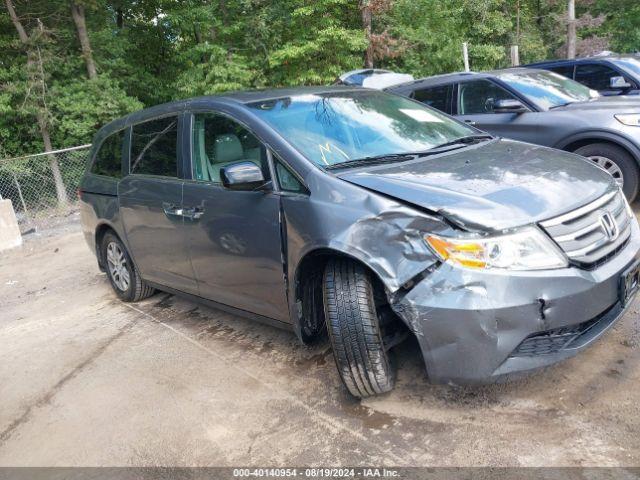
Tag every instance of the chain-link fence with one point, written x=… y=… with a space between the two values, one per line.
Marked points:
x=43 y=187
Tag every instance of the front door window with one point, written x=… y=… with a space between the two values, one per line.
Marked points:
x=597 y=77
x=219 y=141
x=480 y=96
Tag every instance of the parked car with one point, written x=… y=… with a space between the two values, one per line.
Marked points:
x=370 y=215
x=608 y=74
x=545 y=108
x=373 y=78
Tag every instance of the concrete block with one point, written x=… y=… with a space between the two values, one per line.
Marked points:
x=9 y=232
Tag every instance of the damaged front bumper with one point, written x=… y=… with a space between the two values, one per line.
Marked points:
x=474 y=326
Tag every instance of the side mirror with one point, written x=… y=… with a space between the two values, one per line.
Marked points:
x=242 y=176
x=619 y=83
x=509 y=106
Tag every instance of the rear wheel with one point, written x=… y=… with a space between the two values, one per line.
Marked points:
x=354 y=329
x=617 y=161
x=123 y=275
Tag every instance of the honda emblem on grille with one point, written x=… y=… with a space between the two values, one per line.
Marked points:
x=609 y=226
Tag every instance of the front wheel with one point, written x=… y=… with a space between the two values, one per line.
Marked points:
x=123 y=275
x=617 y=162
x=354 y=329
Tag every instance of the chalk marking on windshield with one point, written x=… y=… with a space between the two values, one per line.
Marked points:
x=327 y=148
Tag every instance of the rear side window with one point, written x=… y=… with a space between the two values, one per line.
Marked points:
x=595 y=76
x=154 y=147
x=108 y=160
x=564 y=70
x=437 y=97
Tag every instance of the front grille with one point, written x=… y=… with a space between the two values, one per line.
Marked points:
x=582 y=235
x=573 y=336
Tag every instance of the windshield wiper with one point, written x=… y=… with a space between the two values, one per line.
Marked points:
x=561 y=105
x=466 y=140
x=400 y=157
x=375 y=160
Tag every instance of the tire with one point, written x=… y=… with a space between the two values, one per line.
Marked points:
x=354 y=329
x=119 y=268
x=627 y=168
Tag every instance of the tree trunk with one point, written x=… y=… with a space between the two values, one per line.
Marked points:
x=571 y=29
x=22 y=34
x=518 y=22
x=77 y=12
x=224 y=12
x=366 y=24
x=61 y=191
x=41 y=111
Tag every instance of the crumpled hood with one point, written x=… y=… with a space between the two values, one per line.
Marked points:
x=617 y=104
x=494 y=185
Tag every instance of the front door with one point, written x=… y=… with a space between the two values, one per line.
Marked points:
x=150 y=206
x=234 y=236
x=476 y=100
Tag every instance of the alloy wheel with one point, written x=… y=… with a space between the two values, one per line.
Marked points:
x=117 y=264
x=610 y=166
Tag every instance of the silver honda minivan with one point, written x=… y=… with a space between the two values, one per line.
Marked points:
x=369 y=216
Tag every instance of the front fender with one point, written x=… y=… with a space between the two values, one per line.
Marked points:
x=342 y=219
x=624 y=140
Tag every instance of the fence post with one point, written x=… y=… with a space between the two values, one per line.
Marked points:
x=61 y=191
x=465 y=56
x=515 y=56
x=24 y=205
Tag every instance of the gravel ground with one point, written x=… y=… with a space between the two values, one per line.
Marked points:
x=88 y=380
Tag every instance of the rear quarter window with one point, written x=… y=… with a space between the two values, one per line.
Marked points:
x=108 y=159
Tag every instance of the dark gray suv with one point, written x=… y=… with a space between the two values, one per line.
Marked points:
x=367 y=215
x=608 y=74
x=545 y=108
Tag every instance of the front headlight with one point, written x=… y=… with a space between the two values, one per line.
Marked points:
x=526 y=249
x=630 y=119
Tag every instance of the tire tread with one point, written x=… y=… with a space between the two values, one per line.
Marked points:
x=354 y=331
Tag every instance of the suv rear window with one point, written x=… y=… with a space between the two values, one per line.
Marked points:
x=154 y=147
x=108 y=159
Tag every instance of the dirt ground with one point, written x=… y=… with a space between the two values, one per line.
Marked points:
x=88 y=380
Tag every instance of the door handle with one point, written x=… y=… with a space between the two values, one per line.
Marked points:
x=193 y=213
x=470 y=122
x=171 y=209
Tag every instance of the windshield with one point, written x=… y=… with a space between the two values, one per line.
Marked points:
x=336 y=127
x=632 y=65
x=547 y=89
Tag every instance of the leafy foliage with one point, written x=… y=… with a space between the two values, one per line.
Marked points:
x=152 y=51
